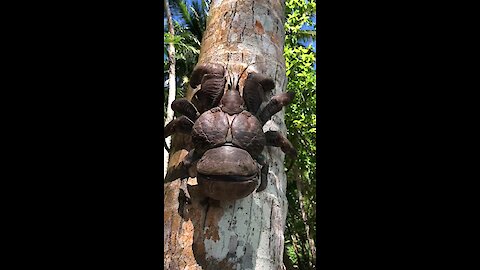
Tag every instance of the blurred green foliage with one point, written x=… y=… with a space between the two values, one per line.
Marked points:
x=189 y=24
x=300 y=119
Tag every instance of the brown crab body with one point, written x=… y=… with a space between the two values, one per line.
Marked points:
x=227 y=139
x=215 y=128
x=229 y=143
x=227 y=173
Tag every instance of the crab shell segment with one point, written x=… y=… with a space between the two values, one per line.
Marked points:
x=227 y=173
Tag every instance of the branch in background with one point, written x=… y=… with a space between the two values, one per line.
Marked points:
x=311 y=243
x=302 y=255
x=290 y=165
x=171 y=79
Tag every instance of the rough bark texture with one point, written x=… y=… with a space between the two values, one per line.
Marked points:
x=247 y=233
x=171 y=80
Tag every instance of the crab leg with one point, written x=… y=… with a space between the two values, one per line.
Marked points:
x=211 y=91
x=254 y=90
x=203 y=69
x=190 y=159
x=263 y=173
x=274 y=105
x=185 y=107
x=181 y=124
x=275 y=138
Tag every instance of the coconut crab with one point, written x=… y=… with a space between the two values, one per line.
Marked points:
x=226 y=130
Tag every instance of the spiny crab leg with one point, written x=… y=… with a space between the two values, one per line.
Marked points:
x=275 y=138
x=203 y=69
x=181 y=124
x=185 y=107
x=275 y=105
x=263 y=173
x=254 y=90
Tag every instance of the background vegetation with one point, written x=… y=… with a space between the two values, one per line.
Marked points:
x=300 y=55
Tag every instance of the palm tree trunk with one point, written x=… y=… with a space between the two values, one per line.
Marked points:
x=247 y=233
x=171 y=81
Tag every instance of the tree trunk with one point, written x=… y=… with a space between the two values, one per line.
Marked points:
x=171 y=81
x=247 y=233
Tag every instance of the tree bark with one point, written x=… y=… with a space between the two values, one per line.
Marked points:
x=171 y=81
x=247 y=233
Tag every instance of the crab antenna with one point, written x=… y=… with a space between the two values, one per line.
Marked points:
x=235 y=80
x=246 y=69
x=230 y=79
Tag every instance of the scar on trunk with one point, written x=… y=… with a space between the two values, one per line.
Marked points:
x=259 y=28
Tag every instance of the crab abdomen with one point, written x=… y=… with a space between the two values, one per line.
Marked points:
x=227 y=173
x=227 y=160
